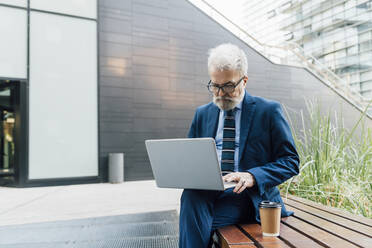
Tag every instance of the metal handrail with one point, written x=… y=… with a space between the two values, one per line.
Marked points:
x=326 y=73
x=361 y=98
x=303 y=60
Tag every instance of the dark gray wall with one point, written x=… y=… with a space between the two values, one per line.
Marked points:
x=153 y=72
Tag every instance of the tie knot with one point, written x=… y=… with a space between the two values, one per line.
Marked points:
x=230 y=112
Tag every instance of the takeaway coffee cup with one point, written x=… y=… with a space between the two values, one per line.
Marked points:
x=270 y=218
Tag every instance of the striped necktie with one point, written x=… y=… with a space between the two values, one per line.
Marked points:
x=228 y=142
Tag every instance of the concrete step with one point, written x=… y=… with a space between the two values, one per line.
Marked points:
x=156 y=229
x=130 y=242
x=159 y=216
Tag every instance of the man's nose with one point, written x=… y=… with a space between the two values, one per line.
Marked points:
x=221 y=92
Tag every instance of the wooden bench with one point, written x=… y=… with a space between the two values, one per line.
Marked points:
x=313 y=225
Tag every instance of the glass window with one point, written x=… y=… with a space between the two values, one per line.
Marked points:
x=327 y=13
x=85 y=8
x=366 y=85
x=329 y=57
x=354 y=77
x=365 y=36
x=350 y=13
x=337 y=9
x=350 y=4
x=363 y=16
x=365 y=46
x=351 y=40
x=327 y=22
x=351 y=32
x=20 y=3
x=63 y=138
x=364 y=26
x=306 y=7
x=338 y=16
x=352 y=50
x=13 y=42
x=338 y=44
x=366 y=75
x=340 y=53
x=366 y=57
x=307 y=29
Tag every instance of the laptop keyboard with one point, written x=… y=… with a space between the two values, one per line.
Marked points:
x=227 y=185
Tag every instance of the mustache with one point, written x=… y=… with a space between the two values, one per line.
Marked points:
x=224 y=98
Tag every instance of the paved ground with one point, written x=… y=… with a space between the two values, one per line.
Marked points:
x=42 y=204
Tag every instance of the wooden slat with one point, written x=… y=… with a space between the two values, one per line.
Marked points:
x=273 y=245
x=296 y=239
x=231 y=235
x=320 y=236
x=352 y=236
x=255 y=231
x=332 y=210
x=243 y=246
x=358 y=227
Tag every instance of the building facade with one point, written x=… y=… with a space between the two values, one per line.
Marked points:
x=336 y=32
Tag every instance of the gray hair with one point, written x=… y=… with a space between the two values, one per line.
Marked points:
x=227 y=56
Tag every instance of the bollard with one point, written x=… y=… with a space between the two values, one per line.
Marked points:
x=116 y=167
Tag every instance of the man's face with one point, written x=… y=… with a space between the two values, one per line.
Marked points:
x=225 y=100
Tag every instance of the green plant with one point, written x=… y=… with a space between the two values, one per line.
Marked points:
x=336 y=165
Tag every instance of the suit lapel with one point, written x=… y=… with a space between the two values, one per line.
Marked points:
x=248 y=109
x=213 y=116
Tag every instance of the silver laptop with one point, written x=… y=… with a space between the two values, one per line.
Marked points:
x=186 y=164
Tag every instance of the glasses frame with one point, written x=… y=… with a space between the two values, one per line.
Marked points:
x=210 y=83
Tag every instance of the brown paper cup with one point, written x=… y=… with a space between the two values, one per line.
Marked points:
x=270 y=218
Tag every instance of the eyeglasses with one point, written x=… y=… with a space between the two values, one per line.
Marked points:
x=227 y=87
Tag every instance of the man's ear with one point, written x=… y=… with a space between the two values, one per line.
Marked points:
x=245 y=80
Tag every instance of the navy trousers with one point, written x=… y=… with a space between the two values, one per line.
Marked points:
x=203 y=211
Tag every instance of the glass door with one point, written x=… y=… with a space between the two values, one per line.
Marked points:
x=7 y=130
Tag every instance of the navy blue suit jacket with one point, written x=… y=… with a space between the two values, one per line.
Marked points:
x=266 y=148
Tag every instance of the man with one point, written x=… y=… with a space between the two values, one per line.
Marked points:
x=254 y=143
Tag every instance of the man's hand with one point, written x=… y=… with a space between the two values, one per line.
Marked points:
x=244 y=179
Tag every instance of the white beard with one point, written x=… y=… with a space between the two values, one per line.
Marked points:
x=227 y=103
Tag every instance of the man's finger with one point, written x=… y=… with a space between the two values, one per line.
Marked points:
x=229 y=177
x=245 y=185
x=238 y=186
x=235 y=178
x=226 y=177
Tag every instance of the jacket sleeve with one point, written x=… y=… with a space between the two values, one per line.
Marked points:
x=285 y=160
x=193 y=128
